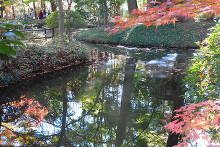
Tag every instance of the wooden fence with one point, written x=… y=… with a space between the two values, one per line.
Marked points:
x=45 y=32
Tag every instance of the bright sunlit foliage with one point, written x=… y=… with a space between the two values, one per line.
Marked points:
x=172 y=11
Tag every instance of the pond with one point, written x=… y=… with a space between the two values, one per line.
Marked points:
x=122 y=99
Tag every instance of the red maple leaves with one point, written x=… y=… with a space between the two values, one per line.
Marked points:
x=20 y=124
x=33 y=108
x=165 y=13
x=197 y=121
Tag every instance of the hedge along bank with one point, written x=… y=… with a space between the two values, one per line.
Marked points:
x=34 y=59
x=180 y=35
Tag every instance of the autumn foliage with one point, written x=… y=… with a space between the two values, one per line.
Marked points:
x=19 y=120
x=201 y=120
x=33 y=109
x=157 y=13
x=197 y=121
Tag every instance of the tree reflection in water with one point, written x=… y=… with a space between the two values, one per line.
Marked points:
x=119 y=103
x=18 y=120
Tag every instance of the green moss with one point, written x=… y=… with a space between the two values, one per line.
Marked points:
x=182 y=35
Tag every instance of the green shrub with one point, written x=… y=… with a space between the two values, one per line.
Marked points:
x=182 y=35
x=52 y=20
x=74 y=19
x=34 y=58
x=52 y=47
x=68 y=45
x=71 y=20
x=203 y=78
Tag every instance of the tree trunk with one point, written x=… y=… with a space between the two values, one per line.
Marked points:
x=174 y=138
x=104 y=12
x=69 y=4
x=53 y=5
x=1 y=8
x=127 y=93
x=61 y=18
x=35 y=12
x=2 y=12
x=1 y=114
x=117 y=8
x=177 y=87
x=1 y=62
x=41 y=4
x=13 y=11
x=63 y=127
x=132 y=4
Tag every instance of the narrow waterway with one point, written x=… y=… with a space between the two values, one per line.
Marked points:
x=122 y=99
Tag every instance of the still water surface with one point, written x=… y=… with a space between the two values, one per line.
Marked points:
x=120 y=99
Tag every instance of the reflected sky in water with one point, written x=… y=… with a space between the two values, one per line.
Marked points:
x=120 y=100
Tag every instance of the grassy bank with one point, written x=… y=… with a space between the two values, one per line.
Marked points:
x=43 y=57
x=180 y=35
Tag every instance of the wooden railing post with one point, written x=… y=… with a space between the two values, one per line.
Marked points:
x=53 y=32
x=45 y=33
